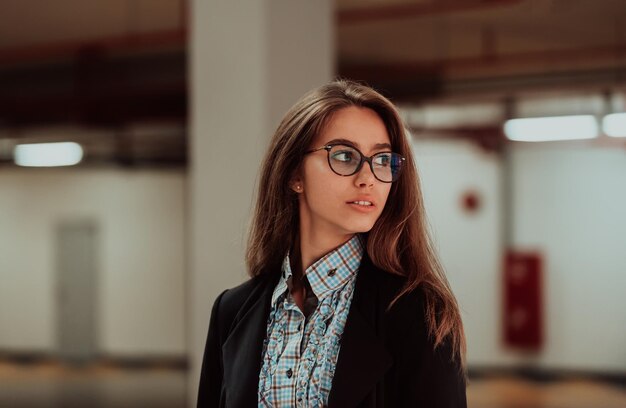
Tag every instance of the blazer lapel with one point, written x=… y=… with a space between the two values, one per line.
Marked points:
x=363 y=358
x=243 y=347
x=362 y=361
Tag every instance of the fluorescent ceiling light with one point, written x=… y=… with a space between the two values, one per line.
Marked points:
x=452 y=116
x=48 y=154
x=552 y=128
x=614 y=125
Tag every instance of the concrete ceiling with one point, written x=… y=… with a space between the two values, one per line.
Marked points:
x=426 y=30
x=28 y=23
x=85 y=61
x=456 y=39
x=483 y=45
x=369 y=31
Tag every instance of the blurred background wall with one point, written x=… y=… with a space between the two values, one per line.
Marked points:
x=139 y=279
x=173 y=103
x=566 y=203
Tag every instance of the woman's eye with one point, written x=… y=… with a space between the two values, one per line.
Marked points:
x=344 y=156
x=382 y=160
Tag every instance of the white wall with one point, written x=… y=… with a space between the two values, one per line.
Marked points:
x=569 y=202
x=469 y=245
x=140 y=215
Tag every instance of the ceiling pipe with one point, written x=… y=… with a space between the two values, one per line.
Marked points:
x=397 y=11
x=68 y=50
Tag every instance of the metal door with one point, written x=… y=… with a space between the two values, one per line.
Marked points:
x=76 y=252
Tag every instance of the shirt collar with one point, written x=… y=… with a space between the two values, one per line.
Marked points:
x=330 y=272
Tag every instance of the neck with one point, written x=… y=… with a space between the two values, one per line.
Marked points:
x=314 y=243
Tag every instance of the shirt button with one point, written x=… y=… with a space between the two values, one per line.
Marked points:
x=289 y=373
x=332 y=272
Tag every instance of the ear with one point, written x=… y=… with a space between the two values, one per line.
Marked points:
x=296 y=184
x=297 y=187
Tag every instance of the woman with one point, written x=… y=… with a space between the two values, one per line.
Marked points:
x=347 y=305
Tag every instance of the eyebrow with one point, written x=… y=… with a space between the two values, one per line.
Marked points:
x=377 y=146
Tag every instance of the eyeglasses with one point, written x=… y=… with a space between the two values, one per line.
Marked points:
x=346 y=160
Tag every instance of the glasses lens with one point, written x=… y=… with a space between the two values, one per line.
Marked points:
x=344 y=159
x=387 y=166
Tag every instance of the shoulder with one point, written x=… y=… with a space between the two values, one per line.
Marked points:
x=408 y=336
x=389 y=285
x=231 y=300
x=406 y=310
x=430 y=370
x=241 y=291
x=398 y=314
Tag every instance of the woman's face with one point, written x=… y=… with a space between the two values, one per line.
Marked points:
x=327 y=200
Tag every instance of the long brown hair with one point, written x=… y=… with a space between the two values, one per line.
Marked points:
x=399 y=241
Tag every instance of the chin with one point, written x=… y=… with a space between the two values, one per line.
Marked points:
x=359 y=227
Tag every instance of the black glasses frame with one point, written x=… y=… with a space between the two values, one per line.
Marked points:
x=364 y=158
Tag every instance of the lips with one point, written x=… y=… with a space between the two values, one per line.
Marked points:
x=362 y=201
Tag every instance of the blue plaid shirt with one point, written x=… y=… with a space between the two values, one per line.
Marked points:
x=300 y=350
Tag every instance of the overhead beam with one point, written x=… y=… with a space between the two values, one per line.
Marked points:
x=417 y=9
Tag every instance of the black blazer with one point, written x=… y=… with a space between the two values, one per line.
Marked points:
x=386 y=359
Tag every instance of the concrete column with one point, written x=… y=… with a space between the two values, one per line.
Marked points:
x=249 y=62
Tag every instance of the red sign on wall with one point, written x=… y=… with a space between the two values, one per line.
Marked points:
x=523 y=305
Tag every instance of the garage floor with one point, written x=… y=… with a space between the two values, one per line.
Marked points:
x=108 y=386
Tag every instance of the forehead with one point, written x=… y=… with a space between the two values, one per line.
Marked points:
x=360 y=126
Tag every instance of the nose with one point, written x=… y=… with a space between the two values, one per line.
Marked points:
x=365 y=176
